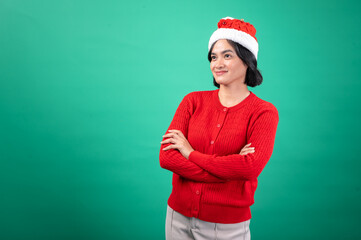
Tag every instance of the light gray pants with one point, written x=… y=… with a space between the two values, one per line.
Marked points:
x=180 y=227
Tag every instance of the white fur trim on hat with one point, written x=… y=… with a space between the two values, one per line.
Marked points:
x=240 y=37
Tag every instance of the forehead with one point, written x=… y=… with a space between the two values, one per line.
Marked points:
x=222 y=45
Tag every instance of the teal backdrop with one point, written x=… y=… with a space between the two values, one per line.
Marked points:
x=88 y=88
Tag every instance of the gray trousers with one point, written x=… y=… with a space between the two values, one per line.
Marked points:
x=180 y=227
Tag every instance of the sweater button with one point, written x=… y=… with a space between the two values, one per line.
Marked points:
x=225 y=109
x=197 y=192
x=212 y=142
x=218 y=125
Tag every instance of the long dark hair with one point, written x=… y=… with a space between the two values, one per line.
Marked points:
x=253 y=75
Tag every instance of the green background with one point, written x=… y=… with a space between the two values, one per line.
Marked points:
x=88 y=88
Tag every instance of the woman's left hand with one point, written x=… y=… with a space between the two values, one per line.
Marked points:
x=178 y=141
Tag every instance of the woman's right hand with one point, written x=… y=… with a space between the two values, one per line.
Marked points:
x=247 y=149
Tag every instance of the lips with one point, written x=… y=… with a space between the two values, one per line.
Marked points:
x=219 y=73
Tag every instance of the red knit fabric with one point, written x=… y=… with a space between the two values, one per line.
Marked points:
x=216 y=183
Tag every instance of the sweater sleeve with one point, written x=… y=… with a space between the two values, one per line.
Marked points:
x=261 y=134
x=172 y=159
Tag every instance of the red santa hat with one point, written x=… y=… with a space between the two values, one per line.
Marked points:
x=238 y=31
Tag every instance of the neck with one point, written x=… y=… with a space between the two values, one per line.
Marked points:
x=232 y=95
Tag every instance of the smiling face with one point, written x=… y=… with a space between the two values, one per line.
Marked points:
x=226 y=66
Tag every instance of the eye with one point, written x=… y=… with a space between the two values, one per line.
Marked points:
x=213 y=58
x=227 y=56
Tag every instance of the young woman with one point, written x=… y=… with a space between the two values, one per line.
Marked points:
x=219 y=142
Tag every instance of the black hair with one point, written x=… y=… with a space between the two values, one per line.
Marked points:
x=253 y=75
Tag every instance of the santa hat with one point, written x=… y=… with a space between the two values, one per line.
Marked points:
x=238 y=31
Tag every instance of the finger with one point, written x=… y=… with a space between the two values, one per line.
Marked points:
x=169 y=140
x=245 y=147
x=173 y=136
x=168 y=135
x=176 y=131
x=248 y=148
x=249 y=144
x=168 y=147
x=179 y=132
x=246 y=152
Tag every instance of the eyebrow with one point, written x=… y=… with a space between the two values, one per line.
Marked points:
x=228 y=50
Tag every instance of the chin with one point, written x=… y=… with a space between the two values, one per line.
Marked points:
x=220 y=82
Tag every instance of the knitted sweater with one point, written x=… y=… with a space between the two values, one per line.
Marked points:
x=216 y=183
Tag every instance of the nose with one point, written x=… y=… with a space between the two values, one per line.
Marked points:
x=219 y=63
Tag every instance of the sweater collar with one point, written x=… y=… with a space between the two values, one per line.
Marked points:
x=219 y=105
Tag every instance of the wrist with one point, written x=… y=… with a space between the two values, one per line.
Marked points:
x=186 y=155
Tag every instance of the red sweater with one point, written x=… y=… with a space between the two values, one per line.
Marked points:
x=216 y=183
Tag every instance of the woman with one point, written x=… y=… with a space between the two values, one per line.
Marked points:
x=219 y=142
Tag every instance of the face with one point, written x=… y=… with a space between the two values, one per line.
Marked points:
x=226 y=66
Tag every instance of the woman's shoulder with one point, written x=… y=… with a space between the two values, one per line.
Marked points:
x=200 y=95
x=261 y=105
